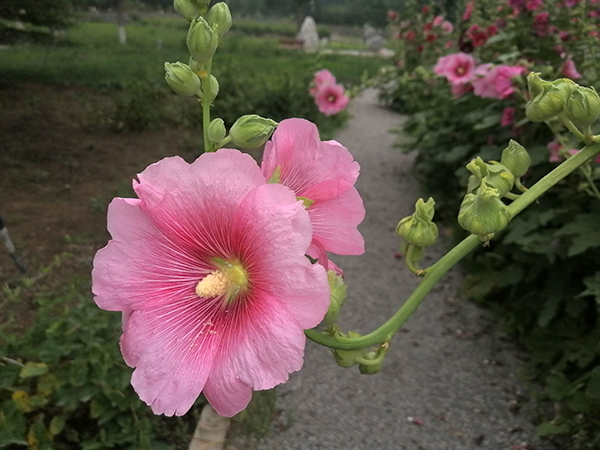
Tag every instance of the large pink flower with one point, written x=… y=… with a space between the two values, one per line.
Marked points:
x=457 y=68
x=331 y=99
x=322 y=77
x=208 y=268
x=323 y=174
x=484 y=81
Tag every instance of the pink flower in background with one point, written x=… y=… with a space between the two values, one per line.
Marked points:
x=532 y=5
x=447 y=27
x=468 y=11
x=554 y=148
x=569 y=70
x=331 y=99
x=458 y=68
x=322 y=173
x=208 y=268
x=410 y=35
x=508 y=116
x=492 y=30
x=437 y=21
x=484 y=81
x=571 y=3
x=460 y=89
x=322 y=77
x=503 y=80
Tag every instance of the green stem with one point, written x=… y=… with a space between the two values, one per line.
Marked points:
x=206 y=107
x=408 y=259
x=439 y=269
x=572 y=128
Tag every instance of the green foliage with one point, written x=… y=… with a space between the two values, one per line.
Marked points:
x=281 y=29
x=63 y=383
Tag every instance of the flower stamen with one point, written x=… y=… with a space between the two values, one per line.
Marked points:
x=227 y=281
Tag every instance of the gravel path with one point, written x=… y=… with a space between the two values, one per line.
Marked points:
x=449 y=380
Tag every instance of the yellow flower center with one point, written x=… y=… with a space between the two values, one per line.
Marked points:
x=228 y=280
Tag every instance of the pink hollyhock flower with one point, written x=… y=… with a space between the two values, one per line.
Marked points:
x=569 y=70
x=427 y=27
x=331 y=99
x=410 y=35
x=503 y=79
x=437 y=21
x=323 y=175
x=571 y=3
x=484 y=81
x=392 y=15
x=425 y=9
x=322 y=77
x=208 y=268
x=430 y=38
x=468 y=11
x=492 y=30
x=554 y=148
x=447 y=27
x=508 y=116
x=532 y=5
x=458 y=68
x=459 y=89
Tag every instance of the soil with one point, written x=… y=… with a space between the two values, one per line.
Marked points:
x=60 y=165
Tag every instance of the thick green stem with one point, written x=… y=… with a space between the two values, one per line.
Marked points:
x=439 y=269
x=206 y=107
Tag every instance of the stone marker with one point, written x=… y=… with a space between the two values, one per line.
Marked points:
x=309 y=35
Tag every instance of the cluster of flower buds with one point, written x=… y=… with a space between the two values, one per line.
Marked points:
x=482 y=211
x=580 y=105
x=369 y=361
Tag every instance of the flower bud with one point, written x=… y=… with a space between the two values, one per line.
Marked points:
x=347 y=358
x=516 y=159
x=370 y=369
x=188 y=9
x=195 y=66
x=583 y=106
x=547 y=99
x=418 y=229
x=213 y=88
x=338 y=296
x=220 y=15
x=216 y=130
x=202 y=40
x=479 y=170
x=483 y=213
x=181 y=79
x=500 y=178
x=252 y=131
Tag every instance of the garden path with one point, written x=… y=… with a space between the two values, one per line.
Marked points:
x=449 y=380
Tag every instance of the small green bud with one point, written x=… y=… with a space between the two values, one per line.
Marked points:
x=202 y=40
x=214 y=88
x=252 y=131
x=483 y=213
x=347 y=358
x=216 y=130
x=188 y=9
x=370 y=369
x=516 y=158
x=181 y=79
x=219 y=14
x=478 y=168
x=418 y=229
x=338 y=290
x=195 y=66
x=547 y=99
x=583 y=107
x=500 y=178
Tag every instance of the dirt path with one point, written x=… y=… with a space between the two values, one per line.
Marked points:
x=449 y=380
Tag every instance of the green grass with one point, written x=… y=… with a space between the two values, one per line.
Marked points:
x=90 y=55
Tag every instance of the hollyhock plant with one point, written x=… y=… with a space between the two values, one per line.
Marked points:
x=331 y=99
x=323 y=175
x=208 y=267
x=569 y=70
x=458 y=68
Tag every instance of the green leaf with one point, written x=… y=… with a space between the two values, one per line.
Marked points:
x=33 y=370
x=548 y=428
x=593 y=386
x=57 y=424
x=557 y=387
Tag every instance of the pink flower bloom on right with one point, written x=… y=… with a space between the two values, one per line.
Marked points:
x=458 y=68
x=323 y=174
x=331 y=99
x=569 y=70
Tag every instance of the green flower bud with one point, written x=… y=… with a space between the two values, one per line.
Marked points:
x=338 y=296
x=252 y=131
x=583 y=107
x=547 y=99
x=347 y=358
x=181 y=79
x=195 y=66
x=202 y=40
x=188 y=9
x=479 y=170
x=214 y=88
x=418 y=229
x=370 y=369
x=516 y=159
x=219 y=14
x=483 y=213
x=216 y=130
x=500 y=178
